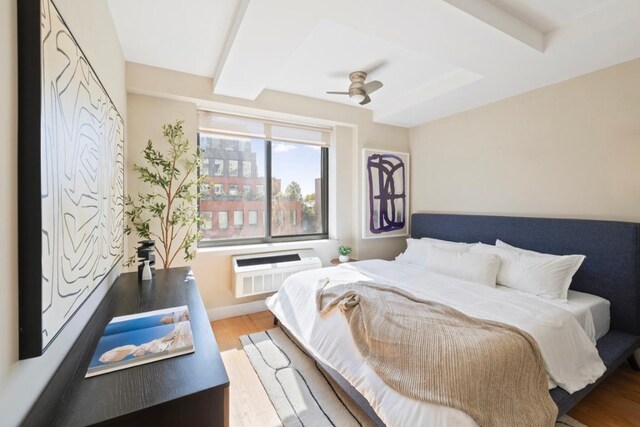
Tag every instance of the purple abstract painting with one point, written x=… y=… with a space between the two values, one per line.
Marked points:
x=387 y=193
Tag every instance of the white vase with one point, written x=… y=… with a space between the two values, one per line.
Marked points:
x=146 y=271
x=343 y=258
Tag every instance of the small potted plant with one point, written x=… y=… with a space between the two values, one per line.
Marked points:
x=344 y=252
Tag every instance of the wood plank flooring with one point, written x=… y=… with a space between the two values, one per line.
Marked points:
x=615 y=402
x=249 y=404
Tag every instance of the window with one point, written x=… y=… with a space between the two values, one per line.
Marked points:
x=253 y=217
x=275 y=170
x=207 y=217
x=223 y=219
x=218 y=167
x=204 y=167
x=279 y=218
x=246 y=169
x=238 y=218
x=233 y=168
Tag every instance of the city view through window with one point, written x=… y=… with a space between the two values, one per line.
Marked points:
x=236 y=199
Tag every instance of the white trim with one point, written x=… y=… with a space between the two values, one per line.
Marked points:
x=236 y=310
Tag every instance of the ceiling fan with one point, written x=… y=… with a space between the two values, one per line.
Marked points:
x=359 y=91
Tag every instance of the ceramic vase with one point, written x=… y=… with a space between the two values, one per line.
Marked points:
x=146 y=271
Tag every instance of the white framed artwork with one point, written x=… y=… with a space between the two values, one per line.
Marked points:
x=385 y=185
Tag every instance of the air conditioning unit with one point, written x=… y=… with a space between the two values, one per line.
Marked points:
x=262 y=273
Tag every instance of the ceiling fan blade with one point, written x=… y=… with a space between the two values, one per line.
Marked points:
x=338 y=93
x=375 y=66
x=372 y=86
x=366 y=100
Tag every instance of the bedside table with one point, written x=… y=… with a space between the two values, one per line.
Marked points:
x=336 y=261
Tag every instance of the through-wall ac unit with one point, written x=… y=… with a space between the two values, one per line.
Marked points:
x=265 y=272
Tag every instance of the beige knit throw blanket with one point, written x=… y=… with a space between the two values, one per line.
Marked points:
x=431 y=352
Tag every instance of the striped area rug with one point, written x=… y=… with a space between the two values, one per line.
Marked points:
x=301 y=393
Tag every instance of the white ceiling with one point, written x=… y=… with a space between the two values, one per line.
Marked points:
x=435 y=57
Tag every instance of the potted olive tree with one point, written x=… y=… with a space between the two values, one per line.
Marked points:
x=168 y=211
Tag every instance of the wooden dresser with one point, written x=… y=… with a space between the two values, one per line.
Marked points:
x=188 y=390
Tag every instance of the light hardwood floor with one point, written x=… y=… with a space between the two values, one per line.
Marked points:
x=615 y=402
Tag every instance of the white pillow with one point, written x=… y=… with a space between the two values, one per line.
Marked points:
x=472 y=267
x=547 y=276
x=417 y=249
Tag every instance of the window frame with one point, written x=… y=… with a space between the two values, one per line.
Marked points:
x=267 y=214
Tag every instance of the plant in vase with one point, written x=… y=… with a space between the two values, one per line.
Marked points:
x=344 y=252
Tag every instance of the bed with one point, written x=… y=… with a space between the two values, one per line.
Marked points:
x=605 y=301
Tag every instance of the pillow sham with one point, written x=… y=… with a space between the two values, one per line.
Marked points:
x=472 y=267
x=544 y=275
x=417 y=249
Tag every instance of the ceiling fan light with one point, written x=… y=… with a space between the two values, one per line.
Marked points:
x=357 y=98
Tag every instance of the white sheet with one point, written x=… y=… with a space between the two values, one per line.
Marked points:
x=585 y=306
x=591 y=311
x=570 y=358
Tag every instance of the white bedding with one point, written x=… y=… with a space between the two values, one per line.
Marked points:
x=570 y=357
x=593 y=308
x=591 y=311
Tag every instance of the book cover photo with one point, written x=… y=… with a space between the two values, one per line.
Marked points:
x=141 y=338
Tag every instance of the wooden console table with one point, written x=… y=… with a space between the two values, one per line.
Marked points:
x=186 y=390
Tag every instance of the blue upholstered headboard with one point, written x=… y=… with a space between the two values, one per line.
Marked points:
x=611 y=269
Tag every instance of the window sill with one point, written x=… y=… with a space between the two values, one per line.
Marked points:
x=266 y=247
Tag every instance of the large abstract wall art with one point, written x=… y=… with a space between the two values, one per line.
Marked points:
x=386 y=192
x=71 y=177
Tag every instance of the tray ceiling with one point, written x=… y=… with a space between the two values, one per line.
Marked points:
x=435 y=57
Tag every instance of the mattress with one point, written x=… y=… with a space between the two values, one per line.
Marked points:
x=591 y=311
x=570 y=357
x=590 y=307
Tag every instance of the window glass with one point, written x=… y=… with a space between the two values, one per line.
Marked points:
x=233 y=168
x=218 y=167
x=246 y=168
x=253 y=217
x=204 y=167
x=207 y=218
x=232 y=194
x=223 y=219
x=296 y=186
x=238 y=218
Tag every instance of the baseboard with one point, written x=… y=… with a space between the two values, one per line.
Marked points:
x=236 y=310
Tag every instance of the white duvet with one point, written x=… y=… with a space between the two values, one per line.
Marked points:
x=570 y=357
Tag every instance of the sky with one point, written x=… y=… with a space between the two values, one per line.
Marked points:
x=291 y=162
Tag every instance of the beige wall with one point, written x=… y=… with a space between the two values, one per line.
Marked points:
x=90 y=22
x=567 y=150
x=157 y=96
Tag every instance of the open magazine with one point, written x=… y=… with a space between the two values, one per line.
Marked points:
x=142 y=338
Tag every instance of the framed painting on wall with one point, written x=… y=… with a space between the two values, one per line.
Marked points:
x=386 y=194
x=70 y=177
